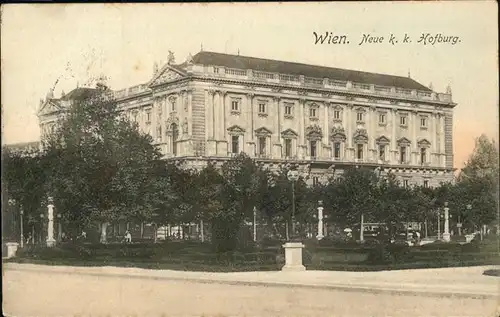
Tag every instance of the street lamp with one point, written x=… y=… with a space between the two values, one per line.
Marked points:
x=59 y=228
x=293 y=176
x=320 y=220
x=446 y=234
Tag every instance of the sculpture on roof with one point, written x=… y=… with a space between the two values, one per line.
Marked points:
x=431 y=87
x=50 y=94
x=189 y=59
x=171 y=58
x=155 y=67
x=448 y=89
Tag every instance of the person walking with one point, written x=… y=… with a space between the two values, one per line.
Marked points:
x=128 y=237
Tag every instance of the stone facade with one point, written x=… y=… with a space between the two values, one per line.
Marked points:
x=213 y=106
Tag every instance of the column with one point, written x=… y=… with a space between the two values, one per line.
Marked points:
x=320 y=223
x=276 y=148
x=301 y=128
x=349 y=132
x=415 y=124
x=433 y=138
x=441 y=140
x=394 y=140
x=209 y=95
x=371 y=132
x=50 y=226
x=190 y=112
x=223 y=115
x=250 y=132
x=217 y=116
x=326 y=123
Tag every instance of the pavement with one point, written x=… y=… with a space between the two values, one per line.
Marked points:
x=465 y=282
x=46 y=291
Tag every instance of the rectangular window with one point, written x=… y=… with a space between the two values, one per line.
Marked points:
x=423 y=122
x=315 y=181
x=359 y=116
x=216 y=70
x=426 y=183
x=313 y=149
x=235 y=105
x=173 y=104
x=359 y=151
x=136 y=116
x=288 y=110
x=423 y=156
x=402 y=155
x=262 y=145
x=148 y=116
x=381 y=118
x=406 y=183
x=402 y=120
x=381 y=152
x=336 y=150
x=288 y=147
x=262 y=107
x=312 y=112
x=235 y=144
x=336 y=114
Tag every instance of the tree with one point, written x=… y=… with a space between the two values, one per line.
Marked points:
x=105 y=166
x=24 y=180
x=479 y=182
x=352 y=195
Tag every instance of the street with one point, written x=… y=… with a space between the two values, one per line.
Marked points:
x=44 y=294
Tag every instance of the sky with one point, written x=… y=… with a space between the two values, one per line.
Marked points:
x=65 y=45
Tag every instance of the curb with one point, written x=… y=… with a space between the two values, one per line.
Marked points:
x=339 y=287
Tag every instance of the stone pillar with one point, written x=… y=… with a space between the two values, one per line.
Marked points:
x=302 y=131
x=442 y=156
x=50 y=226
x=433 y=132
x=217 y=116
x=414 y=142
x=349 y=132
x=250 y=132
x=293 y=257
x=221 y=126
x=276 y=140
x=211 y=148
x=446 y=234
x=394 y=140
x=190 y=112
x=326 y=123
x=320 y=223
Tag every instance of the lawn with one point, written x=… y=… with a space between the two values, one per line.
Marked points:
x=197 y=256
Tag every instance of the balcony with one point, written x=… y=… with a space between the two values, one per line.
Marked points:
x=325 y=83
x=131 y=91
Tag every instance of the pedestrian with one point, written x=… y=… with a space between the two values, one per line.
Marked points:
x=128 y=237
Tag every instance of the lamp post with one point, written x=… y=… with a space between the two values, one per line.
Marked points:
x=446 y=234
x=21 y=212
x=293 y=176
x=254 y=224
x=42 y=217
x=50 y=225
x=59 y=228
x=320 y=221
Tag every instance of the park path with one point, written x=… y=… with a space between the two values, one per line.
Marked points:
x=45 y=293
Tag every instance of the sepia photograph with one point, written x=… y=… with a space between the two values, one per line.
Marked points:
x=250 y=159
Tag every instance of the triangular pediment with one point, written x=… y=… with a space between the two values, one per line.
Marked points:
x=165 y=75
x=289 y=133
x=236 y=129
x=404 y=141
x=50 y=106
x=263 y=132
x=424 y=143
x=383 y=140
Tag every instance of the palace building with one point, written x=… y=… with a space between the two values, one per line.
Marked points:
x=323 y=119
